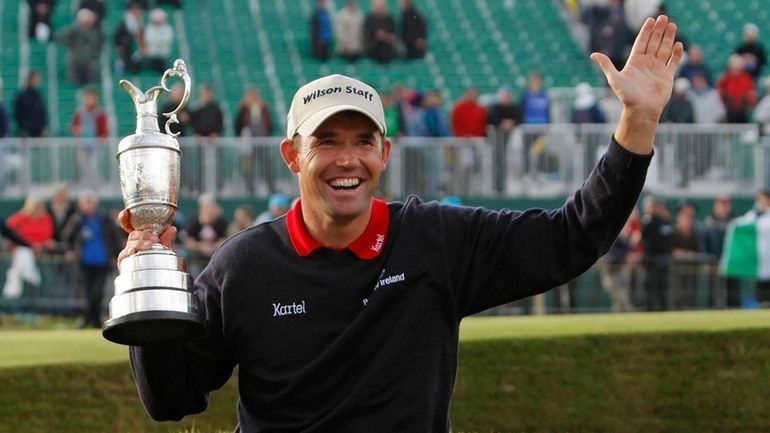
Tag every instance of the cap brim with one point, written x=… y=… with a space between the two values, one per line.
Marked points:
x=315 y=120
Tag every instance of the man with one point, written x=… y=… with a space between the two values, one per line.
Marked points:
x=83 y=41
x=414 y=31
x=344 y=315
x=277 y=205
x=207 y=119
x=469 y=118
x=92 y=239
x=737 y=90
x=680 y=108
x=752 y=51
x=29 y=108
x=89 y=123
x=380 y=33
x=695 y=65
x=723 y=291
x=40 y=19
x=657 y=231
x=320 y=31
x=349 y=31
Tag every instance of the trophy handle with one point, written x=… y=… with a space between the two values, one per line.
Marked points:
x=179 y=70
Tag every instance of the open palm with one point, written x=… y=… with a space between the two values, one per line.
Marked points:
x=644 y=85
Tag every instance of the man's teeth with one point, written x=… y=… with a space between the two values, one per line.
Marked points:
x=344 y=183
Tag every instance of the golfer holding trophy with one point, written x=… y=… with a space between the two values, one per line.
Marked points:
x=344 y=314
x=154 y=300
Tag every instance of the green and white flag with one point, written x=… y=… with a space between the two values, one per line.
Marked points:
x=747 y=247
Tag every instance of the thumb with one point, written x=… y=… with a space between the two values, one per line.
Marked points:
x=168 y=235
x=604 y=62
x=124 y=219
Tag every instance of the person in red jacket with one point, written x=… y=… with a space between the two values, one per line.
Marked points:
x=90 y=124
x=469 y=118
x=736 y=88
x=34 y=225
x=32 y=222
x=89 y=120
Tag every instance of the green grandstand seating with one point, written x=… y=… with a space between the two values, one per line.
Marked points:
x=9 y=51
x=486 y=44
x=482 y=43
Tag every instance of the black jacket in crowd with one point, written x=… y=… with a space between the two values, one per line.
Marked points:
x=30 y=112
x=207 y=119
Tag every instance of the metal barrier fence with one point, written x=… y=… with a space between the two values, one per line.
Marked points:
x=533 y=160
x=692 y=284
x=691 y=160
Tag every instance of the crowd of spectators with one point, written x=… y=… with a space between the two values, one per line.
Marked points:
x=700 y=95
x=663 y=259
x=74 y=241
x=139 y=43
x=351 y=34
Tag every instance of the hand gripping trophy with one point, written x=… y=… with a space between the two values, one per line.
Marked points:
x=154 y=300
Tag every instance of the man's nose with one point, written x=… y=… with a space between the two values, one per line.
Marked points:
x=347 y=155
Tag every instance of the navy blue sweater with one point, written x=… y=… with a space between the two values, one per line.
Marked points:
x=332 y=342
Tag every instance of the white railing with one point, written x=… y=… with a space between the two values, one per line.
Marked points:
x=533 y=161
x=690 y=160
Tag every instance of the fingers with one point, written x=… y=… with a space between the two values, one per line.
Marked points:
x=604 y=62
x=168 y=236
x=125 y=252
x=137 y=241
x=142 y=240
x=676 y=57
x=656 y=36
x=667 y=45
x=640 y=44
x=124 y=219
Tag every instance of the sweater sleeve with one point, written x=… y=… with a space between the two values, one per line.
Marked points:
x=12 y=235
x=175 y=380
x=504 y=256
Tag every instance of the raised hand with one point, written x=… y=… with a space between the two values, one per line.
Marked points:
x=644 y=85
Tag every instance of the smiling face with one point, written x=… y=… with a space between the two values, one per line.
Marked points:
x=338 y=167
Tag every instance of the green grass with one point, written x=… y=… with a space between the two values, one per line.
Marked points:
x=54 y=344
x=44 y=347
x=506 y=327
x=585 y=373
x=674 y=382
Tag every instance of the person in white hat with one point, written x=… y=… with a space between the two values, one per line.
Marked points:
x=343 y=315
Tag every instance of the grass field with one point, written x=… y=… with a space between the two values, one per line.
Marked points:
x=661 y=372
x=21 y=346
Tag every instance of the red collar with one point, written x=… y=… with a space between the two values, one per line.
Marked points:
x=368 y=246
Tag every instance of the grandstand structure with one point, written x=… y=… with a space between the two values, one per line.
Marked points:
x=233 y=44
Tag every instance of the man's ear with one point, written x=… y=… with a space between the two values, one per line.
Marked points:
x=387 y=145
x=289 y=154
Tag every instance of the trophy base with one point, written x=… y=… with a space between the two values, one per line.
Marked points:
x=154 y=302
x=152 y=327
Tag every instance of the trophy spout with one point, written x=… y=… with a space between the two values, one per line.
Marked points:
x=146 y=105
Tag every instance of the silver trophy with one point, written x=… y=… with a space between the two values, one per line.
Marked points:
x=154 y=300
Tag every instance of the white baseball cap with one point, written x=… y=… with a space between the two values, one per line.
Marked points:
x=320 y=99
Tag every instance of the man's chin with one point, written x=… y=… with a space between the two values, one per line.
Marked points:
x=347 y=210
